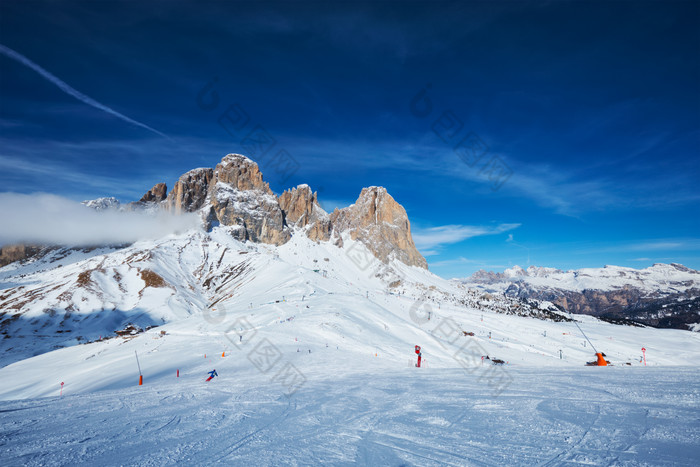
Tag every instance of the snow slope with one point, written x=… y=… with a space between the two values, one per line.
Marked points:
x=574 y=416
x=314 y=345
x=75 y=296
x=301 y=295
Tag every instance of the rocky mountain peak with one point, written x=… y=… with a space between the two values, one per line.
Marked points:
x=102 y=204
x=382 y=224
x=299 y=205
x=190 y=191
x=240 y=173
x=301 y=209
x=156 y=194
x=234 y=194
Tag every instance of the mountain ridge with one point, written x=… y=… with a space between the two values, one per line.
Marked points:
x=234 y=193
x=662 y=295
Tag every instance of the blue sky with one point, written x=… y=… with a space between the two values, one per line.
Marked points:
x=562 y=134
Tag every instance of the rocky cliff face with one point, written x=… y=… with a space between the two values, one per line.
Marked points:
x=11 y=253
x=235 y=194
x=241 y=173
x=301 y=209
x=256 y=213
x=156 y=194
x=190 y=191
x=381 y=223
x=239 y=197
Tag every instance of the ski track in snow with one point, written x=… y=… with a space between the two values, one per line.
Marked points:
x=407 y=417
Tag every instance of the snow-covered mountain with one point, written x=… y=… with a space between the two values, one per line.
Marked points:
x=312 y=320
x=257 y=248
x=60 y=296
x=663 y=295
x=67 y=296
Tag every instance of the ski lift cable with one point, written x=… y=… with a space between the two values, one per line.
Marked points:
x=584 y=334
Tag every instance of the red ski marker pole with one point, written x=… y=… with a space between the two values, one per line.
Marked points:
x=140 y=374
x=644 y=355
x=61 y=394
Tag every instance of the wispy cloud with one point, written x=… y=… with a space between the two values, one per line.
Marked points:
x=63 y=86
x=557 y=189
x=121 y=168
x=435 y=237
x=69 y=175
x=656 y=246
x=648 y=246
x=568 y=191
x=510 y=240
x=427 y=253
x=461 y=260
x=48 y=219
x=661 y=245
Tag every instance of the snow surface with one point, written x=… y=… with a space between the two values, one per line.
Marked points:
x=315 y=354
x=380 y=416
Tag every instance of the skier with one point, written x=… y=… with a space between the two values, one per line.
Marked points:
x=212 y=373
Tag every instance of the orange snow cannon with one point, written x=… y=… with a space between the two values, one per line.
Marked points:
x=601 y=361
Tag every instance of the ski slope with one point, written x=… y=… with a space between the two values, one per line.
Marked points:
x=548 y=416
x=314 y=346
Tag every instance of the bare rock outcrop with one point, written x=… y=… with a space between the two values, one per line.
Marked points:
x=381 y=223
x=235 y=194
x=190 y=191
x=156 y=194
x=240 y=173
x=256 y=213
x=11 y=253
x=301 y=209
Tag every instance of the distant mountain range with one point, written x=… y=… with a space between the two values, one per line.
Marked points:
x=663 y=295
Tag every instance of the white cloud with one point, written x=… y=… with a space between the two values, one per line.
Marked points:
x=49 y=219
x=644 y=246
x=434 y=237
x=656 y=246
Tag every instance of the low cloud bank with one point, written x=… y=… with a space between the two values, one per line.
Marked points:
x=53 y=220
